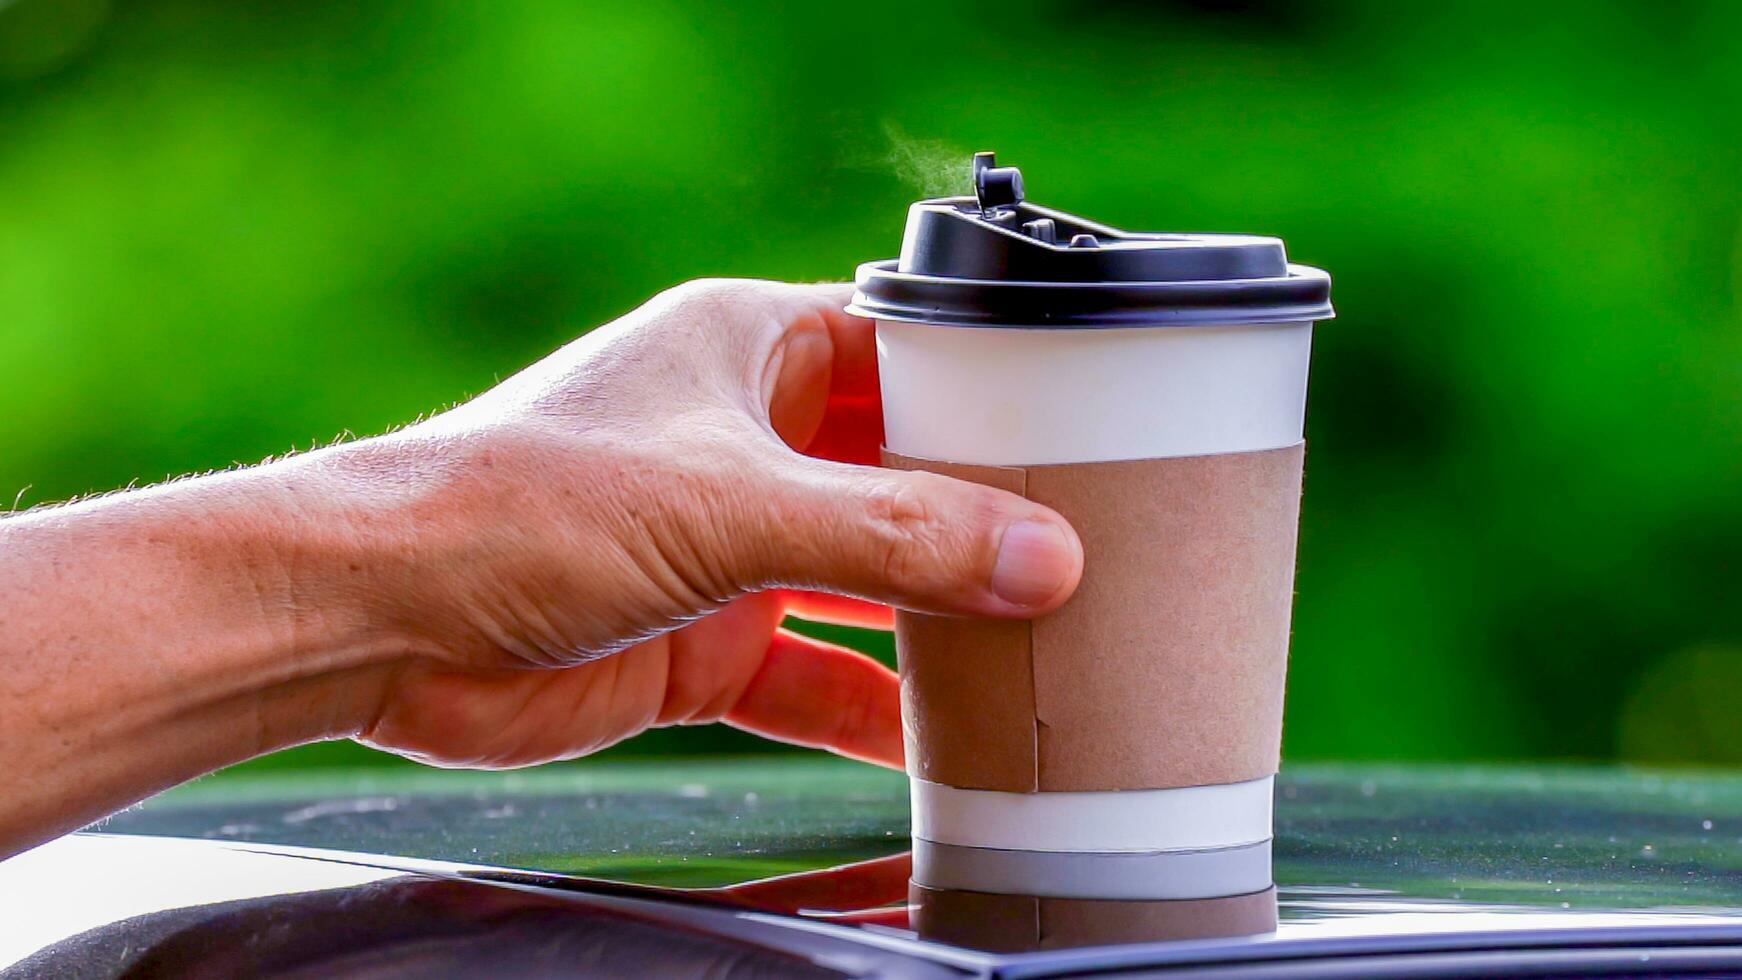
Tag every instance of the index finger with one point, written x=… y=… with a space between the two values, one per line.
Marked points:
x=823 y=696
x=853 y=338
x=836 y=610
x=832 y=409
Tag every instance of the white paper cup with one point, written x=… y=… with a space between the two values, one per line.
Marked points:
x=1027 y=397
x=1010 y=334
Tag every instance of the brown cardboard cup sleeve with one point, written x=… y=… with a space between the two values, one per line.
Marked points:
x=1165 y=668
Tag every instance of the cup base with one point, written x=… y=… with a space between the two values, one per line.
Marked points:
x=1150 y=876
x=1190 y=818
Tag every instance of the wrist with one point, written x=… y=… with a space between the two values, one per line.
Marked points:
x=334 y=558
x=290 y=638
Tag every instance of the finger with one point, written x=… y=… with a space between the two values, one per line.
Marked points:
x=910 y=539
x=801 y=366
x=837 y=610
x=816 y=694
x=852 y=424
x=890 y=918
x=821 y=389
x=851 y=430
x=854 y=345
x=852 y=339
x=850 y=887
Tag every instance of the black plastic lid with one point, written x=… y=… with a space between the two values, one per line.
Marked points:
x=993 y=260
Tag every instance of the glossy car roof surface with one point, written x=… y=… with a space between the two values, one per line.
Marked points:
x=1380 y=861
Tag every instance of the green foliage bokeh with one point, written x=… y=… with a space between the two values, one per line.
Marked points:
x=229 y=230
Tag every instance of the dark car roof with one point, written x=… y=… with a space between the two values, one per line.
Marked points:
x=790 y=865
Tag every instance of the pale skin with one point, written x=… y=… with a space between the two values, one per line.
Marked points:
x=604 y=543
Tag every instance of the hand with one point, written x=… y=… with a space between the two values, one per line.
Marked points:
x=609 y=540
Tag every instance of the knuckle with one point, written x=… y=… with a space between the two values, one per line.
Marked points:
x=720 y=522
x=736 y=321
x=908 y=534
x=712 y=300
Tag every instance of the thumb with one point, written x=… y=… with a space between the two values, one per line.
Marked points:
x=918 y=540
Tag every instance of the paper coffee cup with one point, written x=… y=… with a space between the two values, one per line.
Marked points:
x=1152 y=389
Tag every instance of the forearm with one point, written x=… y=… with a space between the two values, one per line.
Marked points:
x=149 y=637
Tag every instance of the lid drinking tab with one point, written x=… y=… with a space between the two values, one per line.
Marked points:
x=994 y=186
x=994 y=259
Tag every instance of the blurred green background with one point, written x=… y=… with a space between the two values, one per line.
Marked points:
x=228 y=230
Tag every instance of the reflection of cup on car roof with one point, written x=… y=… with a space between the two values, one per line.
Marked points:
x=1151 y=389
x=1016 y=900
